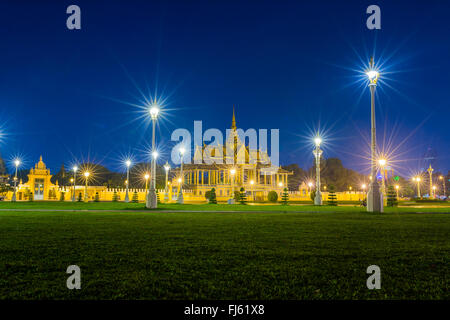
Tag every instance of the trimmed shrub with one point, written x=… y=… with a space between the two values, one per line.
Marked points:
x=80 y=197
x=135 y=198
x=332 y=198
x=212 y=196
x=243 y=196
x=285 y=197
x=115 y=198
x=392 y=197
x=97 y=197
x=272 y=196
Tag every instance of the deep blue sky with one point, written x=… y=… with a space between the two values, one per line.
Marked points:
x=284 y=64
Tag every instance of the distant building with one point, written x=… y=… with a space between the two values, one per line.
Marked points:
x=199 y=178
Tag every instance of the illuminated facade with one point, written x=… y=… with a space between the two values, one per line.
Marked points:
x=250 y=169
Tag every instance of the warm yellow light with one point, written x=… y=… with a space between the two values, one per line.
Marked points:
x=280 y=184
x=397 y=187
x=373 y=75
x=75 y=169
x=324 y=187
x=418 y=179
x=182 y=150
x=434 y=187
x=179 y=180
x=350 y=188
x=382 y=162
x=154 y=111
x=363 y=186
x=317 y=141
x=17 y=162
x=252 y=182
x=232 y=171
x=86 y=174
x=441 y=177
x=310 y=184
x=167 y=167
x=147 y=176
x=71 y=179
x=128 y=163
x=126 y=181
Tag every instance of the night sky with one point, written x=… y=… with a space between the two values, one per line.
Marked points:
x=288 y=65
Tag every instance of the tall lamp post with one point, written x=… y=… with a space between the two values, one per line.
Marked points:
x=232 y=173
x=417 y=179
x=443 y=185
x=128 y=164
x=16 y=164
x=397 y=187
x=180 y=199
x=146 y=177
x=86 y=177
x=374 y=196
x=382 y=163
x=75 y=169
x=430 y=172
x=152 y=200
x=317 y=153
x=253 y=194
x=166 y=187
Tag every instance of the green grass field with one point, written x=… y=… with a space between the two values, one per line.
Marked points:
x=221 y=255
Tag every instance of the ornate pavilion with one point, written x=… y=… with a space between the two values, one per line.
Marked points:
x=251 y=170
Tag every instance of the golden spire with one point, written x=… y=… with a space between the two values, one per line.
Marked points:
x=233 y=121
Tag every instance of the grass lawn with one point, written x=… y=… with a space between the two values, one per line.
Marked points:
x=216 y=255
x=56 y=205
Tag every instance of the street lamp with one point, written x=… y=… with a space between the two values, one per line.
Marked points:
x=146 y=177
x=166 y=187
x=382 y=163
x=434 y=191
x=232 y=173
x=75 y=169
x=128 y=164
x=180 y=180
x=16 y=164
x=152 y=200
x=317 y=153
x=309 y=186
x=252 y=182
x=430 y=172
x=443 y=184
x=417 y=179
x=86 y=176
x=397 y=187
x=374 y=196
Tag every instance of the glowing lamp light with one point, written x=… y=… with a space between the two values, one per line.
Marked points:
x=71 y=179
x=310 y=184
x=182 y=150
x=147 y=176
x=167 y=167
x=372 y=75
x=154 y=111
x=155 y=154
x=86 y=174
x=179 y=180
x=75 y=169
x=252 y=182
x=317 y=141
x=17 y=162
x=382 y=162
x=434 y=187
x=232 y=171
x=280 y=184
x=363 y=186
x=397 y=187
